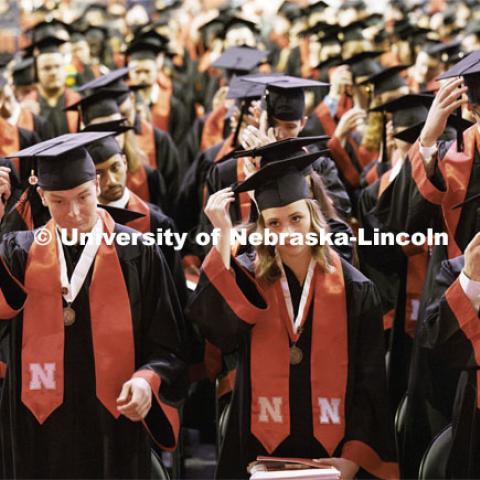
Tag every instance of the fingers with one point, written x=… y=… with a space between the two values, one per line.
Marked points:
x=448 y=87
x=124 y=394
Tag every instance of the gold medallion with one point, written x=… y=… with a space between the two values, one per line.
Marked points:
x=68 y=316
x=296 y=355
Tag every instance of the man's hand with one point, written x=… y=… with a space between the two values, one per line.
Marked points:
x=5 y=184
x=472 y=259
x=347 y=468
x=351 y=120
x=135 y=399
x=340 y=81
x=449 y=97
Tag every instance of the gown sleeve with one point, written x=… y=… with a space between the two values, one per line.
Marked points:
x=226 y=303
x=164 y=348
x=369 y=424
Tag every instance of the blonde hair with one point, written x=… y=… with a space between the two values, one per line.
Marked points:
x=266 y=267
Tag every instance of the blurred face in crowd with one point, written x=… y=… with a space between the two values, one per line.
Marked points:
x=112 y=178
x=143 y=72
x=240 y=36
x=425 y=69
x=51 y=71
x=7 y=101
x=81 y=50
x=288 y=128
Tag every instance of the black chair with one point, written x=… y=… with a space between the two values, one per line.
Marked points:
x=434 y=461
x=159 y=472
x=400 y=423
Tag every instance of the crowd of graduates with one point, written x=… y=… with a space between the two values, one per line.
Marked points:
x=179 y=102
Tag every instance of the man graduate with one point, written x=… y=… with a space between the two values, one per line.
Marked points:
x=93 y=333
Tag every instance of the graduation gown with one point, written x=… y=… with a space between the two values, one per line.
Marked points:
x=148 y=184
x=81 y=438
x=451 y=331
x=241 y=305
x=163 y=156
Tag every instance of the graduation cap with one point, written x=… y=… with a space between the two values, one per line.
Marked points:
x=49 y=44
x=319 y=6
x=352 y=32
x=111 y=79
x=363 y=64
x=285 y=96
x=103 y=149
x=445 y=52
x=320 y=28
x=355 y=4
x=118 y=126
x=53 y=27
x=407 y=110
x=279 y=183
x=469 y=69
x=23 y=72
x=240 y=89
x=100 y=103
x=145 y=49
x=387 y=79
x=282 y=149
x=238 y=60
x=63 y=162
x=330 y=62
x=412 y=133
x=123 y=216
x=236 y=21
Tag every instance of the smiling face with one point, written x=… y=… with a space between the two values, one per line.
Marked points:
x=74 y=208
x=292 y=218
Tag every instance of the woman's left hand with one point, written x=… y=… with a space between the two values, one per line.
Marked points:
x=347 y=468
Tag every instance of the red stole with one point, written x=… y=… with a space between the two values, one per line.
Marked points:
x=456 y=168
x=24 y=210
x=146 y=141
x=136 y=204
x=137 y=182
x=25 y=120
x=270 y=361
x=43 y=342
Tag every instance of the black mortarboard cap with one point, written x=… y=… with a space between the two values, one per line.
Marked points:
x=118 y=126
x=100 y=103
x=407 y=110
x=53 y=27
x=63 y=162
x=412 y=133
x=49 y=44
x=387 y=79
x=236 y=21
x=285 y=96
x=240 y=89
x=352 y=32
x=121 y=215
x=104 y=149
x=319 y=6
x=363 y=64
x=23 y=73
x=444 y=51
x=240 y=59
x=282 y=149
x=330 y=62
x=107 y=80
x=469 y=69
x=279 y=183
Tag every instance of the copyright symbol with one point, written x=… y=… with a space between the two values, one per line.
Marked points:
x=43 y=236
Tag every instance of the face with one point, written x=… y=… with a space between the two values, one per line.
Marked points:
x=425 y=68
x=51 y=71
x=73 y=209
x=292 y=218
x=288 y=128
x=112 y=178
x=240 y=36
x=81 y=50
x=143 y=72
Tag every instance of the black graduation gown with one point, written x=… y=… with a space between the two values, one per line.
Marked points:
x=55 y=116
x=387 y=267
x=81 y=439
x=178 y=121
x=42 y=128
x=365 y=337
x=156 y=186
x=189 y=201
x=160 y=222
x=454 y=368
x=402 y=208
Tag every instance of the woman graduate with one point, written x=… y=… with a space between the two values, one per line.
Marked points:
x=311 y=371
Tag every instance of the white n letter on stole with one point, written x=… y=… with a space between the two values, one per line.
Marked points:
x=270 y=409
x=329 y=410
x=42 y=376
